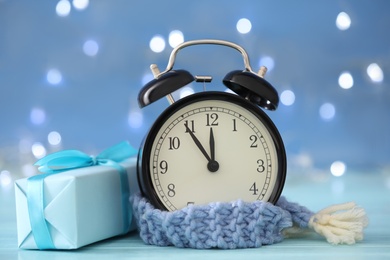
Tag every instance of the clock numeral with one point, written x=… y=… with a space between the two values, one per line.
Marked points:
x=174 y=143
x=171 y=190
x=163 y=167
x=212 y=119
x=190 y=126
x=234 y=125
x=253 y=139
x=254 y=189
x=260 y=166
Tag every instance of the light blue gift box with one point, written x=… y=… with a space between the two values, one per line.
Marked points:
x=80 y=206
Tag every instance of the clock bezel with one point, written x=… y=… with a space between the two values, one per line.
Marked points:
x=143 y=162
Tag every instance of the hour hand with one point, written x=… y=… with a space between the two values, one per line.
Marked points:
x=212 y=165
x=198 y=144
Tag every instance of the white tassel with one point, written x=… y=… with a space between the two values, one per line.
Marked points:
x=340 y=224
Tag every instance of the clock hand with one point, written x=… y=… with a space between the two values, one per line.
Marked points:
x=212 y=144
x=213 y=165
x=198 y=144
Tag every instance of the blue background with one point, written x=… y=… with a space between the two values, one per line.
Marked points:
x=94 y=104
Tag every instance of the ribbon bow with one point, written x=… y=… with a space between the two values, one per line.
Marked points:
x=68 y=160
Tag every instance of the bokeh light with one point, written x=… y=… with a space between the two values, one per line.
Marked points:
x=80 y=4
x=91 y=48
x=375 y=73
x=345 y=80
x=287 y=97
x=302 y=160
x=176 y=37
x=5 y=178
x=135 y=119
x=54 y=138
x=157 y=44
x=268 y=62
x=38 y=150
x=54 y=77
x=244 y=26
x=327 y=111
x=338 y=168
x=186 y=91
x=343 y=21
x=37 y=116
x=63 y=8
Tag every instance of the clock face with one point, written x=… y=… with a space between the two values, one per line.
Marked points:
x=212 y=147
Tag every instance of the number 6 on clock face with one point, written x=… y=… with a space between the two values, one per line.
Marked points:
x=210 y=147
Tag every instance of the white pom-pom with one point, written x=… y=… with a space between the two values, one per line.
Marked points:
x=340 y=224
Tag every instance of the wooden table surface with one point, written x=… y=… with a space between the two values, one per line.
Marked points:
x=371 y=190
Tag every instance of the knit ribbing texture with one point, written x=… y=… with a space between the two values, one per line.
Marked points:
x=237 y=224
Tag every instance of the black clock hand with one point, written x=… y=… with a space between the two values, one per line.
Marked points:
x=198 y=144
x=213 y=165
x=212 y=145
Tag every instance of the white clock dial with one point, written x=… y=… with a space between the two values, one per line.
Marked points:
x=213 y=150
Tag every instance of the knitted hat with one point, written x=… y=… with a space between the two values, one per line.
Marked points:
x=241 y=224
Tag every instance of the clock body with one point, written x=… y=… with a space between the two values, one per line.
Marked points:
x=211 y=147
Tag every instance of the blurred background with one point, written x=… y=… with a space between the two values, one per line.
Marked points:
x=70 y=73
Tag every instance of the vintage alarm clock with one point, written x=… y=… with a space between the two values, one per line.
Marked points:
x=211 y=146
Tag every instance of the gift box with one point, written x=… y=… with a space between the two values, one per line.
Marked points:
x=78 y=204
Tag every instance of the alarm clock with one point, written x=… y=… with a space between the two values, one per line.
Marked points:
x=211 y=146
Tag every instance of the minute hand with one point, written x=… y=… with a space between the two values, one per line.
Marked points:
x=198 y=144
x=212 y=145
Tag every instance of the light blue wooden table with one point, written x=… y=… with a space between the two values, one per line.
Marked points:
x=371 y=190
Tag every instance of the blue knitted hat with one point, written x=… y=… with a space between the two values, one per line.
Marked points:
x=241 y=224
